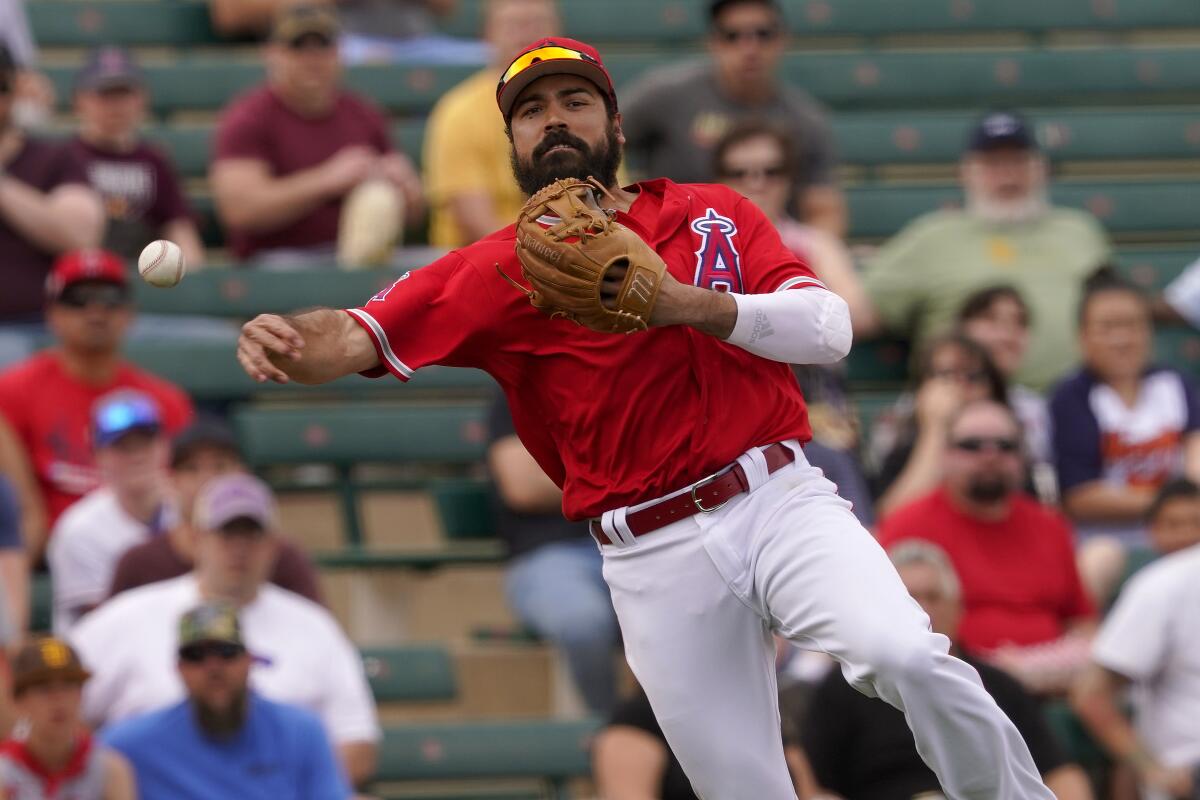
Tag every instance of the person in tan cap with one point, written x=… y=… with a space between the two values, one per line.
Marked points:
x=51 y=755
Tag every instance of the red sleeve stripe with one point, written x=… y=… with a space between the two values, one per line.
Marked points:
x=800 y=280
x=381 y=342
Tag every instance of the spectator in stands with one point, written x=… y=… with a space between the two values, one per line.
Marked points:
x=46 y=209
x=468 y=175
x=376 y=31
x=131 y=505
x=204 y=451
x=1008 y=232
x=1025 y=607
x=1122 y=426
x=864 y=749
x=1149 y=641
x=759 y=160
x=48 y=399
x=673 y=117
x=300 y=654
x=14 y=569
x=909 y=440
x=33 y=91
x=224 y=739
x=553 y=581
x=288 y=153
x=54 y=756
x=142 y=194
x=997 y=318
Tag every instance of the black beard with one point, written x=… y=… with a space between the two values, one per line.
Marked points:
x=584 y=162
x=988 y=489
x=222 y=723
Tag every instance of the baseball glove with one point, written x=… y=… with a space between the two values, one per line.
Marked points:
x=567 y=246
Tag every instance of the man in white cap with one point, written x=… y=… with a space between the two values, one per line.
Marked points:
x=300 y=654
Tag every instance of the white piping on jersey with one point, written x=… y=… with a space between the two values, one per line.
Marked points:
x=384 y=345
x=797 y=281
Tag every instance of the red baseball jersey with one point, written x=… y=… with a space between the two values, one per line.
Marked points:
x=51 y=411
x=612 y=419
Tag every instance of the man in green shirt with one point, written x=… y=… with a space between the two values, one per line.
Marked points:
x=1007 y=233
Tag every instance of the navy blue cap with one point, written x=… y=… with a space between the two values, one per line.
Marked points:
x=122 y=412
x=1001 y=129
x=109 y=68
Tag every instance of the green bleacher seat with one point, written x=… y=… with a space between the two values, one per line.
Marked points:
x=1162 y=208
x=1178 y=347
x=354 y=557
x=101 y=22
x=186 y=22
x=350 y=433
x=465 y=508
x=926 y=79
x=41 y=603
x=552 y=749
x=410 y=673
x=1154 y=267
x=879 y=138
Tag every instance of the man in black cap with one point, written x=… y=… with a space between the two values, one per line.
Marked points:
x=1007 y=233
x=142 y=194
x=46 y=209
x=288 y=154
x=55 y=756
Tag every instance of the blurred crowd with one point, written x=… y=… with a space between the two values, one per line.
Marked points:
x=1035 y=485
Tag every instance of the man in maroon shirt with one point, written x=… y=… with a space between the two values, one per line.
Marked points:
x=47 y=400
x=142 y=195
x=1025 y=607
x=45 y=209
x=205 y=450
x=289 y=152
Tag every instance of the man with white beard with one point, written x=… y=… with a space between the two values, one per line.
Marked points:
x=1007 y=233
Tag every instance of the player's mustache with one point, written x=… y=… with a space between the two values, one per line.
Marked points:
x=558 y=138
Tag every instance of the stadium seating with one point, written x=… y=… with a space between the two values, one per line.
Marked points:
x=411 y=673
x=929 y=79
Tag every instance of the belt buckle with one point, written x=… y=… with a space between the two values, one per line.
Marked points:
x=700 y=484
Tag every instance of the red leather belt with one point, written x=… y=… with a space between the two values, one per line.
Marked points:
x=704 y=496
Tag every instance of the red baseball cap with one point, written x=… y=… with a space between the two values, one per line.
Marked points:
x=552 y=56
x=78 y=266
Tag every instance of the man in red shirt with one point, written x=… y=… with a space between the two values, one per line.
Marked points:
x=1025 y=606
x=47 y=399
x=289 y=152
x=701 y=569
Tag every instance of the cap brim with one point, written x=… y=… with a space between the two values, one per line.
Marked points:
x=102 y=82
x=47 y=675
x=554 y=66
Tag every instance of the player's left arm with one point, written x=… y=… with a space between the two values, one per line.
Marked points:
x=786 y=314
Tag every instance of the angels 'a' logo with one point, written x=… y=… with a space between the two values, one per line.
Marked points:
x=381 y=295
x=718 y=264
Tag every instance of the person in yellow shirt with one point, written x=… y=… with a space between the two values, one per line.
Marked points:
x=468 y=176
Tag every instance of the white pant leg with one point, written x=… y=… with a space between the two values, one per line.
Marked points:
x=797 y=553
x=706 y=661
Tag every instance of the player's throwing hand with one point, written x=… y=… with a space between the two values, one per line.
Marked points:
x=264 y=339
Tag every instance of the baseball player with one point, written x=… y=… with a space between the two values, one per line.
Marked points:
x=681 y=442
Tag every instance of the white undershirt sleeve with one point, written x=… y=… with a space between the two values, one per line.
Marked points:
x=806 y=325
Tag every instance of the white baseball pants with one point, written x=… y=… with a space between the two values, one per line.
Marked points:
x=698 y=599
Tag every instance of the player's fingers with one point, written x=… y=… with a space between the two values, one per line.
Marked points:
x=280 y=327
x=257 y=365
x=277 y=338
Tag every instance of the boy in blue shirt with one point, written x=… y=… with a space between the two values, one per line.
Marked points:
x=225 y=740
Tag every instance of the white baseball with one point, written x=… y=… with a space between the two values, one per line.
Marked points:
x=161 y=264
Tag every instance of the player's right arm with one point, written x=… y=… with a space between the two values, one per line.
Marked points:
x=313 y=347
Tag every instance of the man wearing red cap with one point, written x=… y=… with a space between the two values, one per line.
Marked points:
x=682 y=446
x=47 y=399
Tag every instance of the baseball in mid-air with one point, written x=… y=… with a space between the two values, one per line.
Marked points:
x=161 y=264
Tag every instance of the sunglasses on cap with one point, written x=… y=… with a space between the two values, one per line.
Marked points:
x=735 y=35
x=200 y=652
x=107 y=295
x=548 y=53
x=977 y=444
